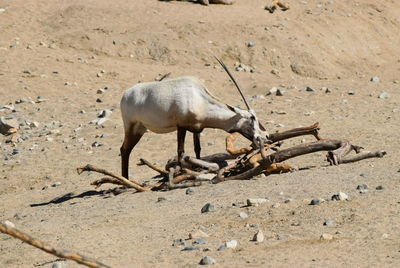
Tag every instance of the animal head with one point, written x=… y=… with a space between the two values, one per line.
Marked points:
x=248 y=125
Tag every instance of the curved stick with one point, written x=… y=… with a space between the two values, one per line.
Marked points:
x=59 y=253
x=126 y=182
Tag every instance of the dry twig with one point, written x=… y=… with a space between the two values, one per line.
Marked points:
x=57 y=252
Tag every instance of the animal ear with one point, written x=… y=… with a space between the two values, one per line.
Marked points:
x=261 y=127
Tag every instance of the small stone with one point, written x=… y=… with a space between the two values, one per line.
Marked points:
x=190 y=248
x=316 y=201
x=326 y=90
x=34 y=124
x=384 y=95
x=190 y=191
x=8 y=125
x=339 y=196
x=58 y=183
x=104 y=113
x=96 y=144
x=362 y=188
x=207 y=260
x=99 y=100
x=281 y=92
x=250 y=43
x=328 y=223
x=243 y=215
x=255 y=202
x=221 y=248
x=59 y=265
x=161 y=199
x=259 y=236
x=9 y=224
x=282 y=236
x=380 y=187
x=288 y=200
x=199 y=241
x=100 y=91
x=272 y=91
x=364 y=174
x=82 y=111
x=178 y=242
x=210 y=143
x=351 y=92
x=198 y=234
x=209 y=207
x=310 y=89
x=375 y=79
x=326 y=237
x=231 y=244
x=276 y=205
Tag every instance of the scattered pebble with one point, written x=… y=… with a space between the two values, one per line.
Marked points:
x=96 y=144
x=328 y=223
x=281 y=92
x=316 y=201
x=250 y=43
x=362 y=188
x=351 y=92
x=384 y=95
x=375 y=79
x=59 y=265
x=282 y=236
x=190 y=191
x=310 y=89
x=259 y=236
x=161 y=199
x=58 y=183
x=255 y=202
x=104 y=113
x=99 y=100
x=101 y=121
x=209 y=207
x=207 y=260
x=326 y=237
x=178 y=242
x=190 y=248
x=199 y=241
x=243 y=215
x=276 y=205
x=339 y=196
x=231 y=244
x=380 y=187
x=272 y=91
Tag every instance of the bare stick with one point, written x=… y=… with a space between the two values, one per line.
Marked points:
x=126 y=182
x=302 y=131
x=163 y=77
x=59 y=253
x=153 y=167
x=378 y=154
x=98 y=183
x=201 y=163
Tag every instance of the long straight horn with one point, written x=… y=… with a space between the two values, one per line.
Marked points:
x=234 y=81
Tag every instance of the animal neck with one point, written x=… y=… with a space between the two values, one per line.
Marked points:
x=221 y=117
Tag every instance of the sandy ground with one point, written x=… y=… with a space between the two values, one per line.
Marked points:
x=64 y=51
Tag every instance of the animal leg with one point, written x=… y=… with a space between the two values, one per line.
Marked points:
x=132 y=136
x=197 y=146
x=181 y=143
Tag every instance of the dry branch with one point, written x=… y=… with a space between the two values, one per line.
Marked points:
x=244 y=163
x=124 y=181
x=57 y=252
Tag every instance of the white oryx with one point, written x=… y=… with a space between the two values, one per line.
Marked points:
x=182 y=104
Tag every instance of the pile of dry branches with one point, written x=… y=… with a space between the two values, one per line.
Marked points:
x=240 y=164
